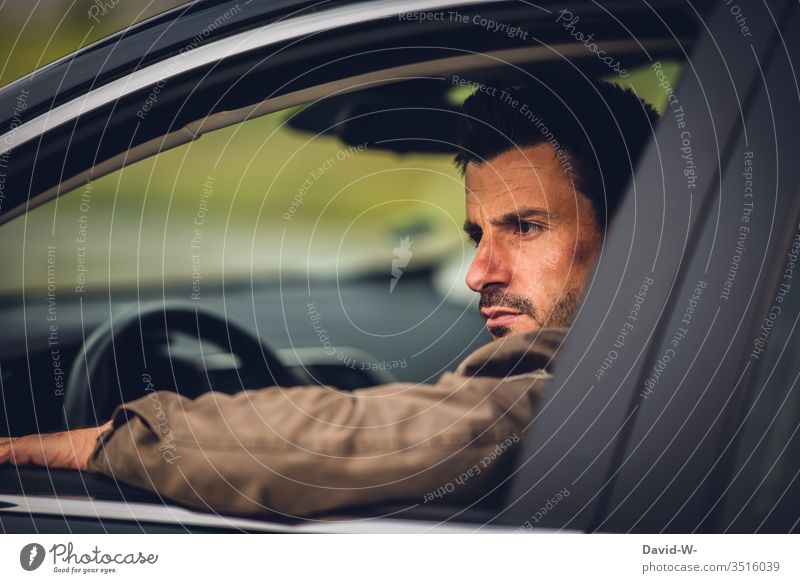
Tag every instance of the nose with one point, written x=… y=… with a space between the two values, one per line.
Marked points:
x=489 y=268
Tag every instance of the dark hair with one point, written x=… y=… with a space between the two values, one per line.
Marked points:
x=597 y=130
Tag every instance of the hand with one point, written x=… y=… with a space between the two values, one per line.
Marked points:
x=67 y=450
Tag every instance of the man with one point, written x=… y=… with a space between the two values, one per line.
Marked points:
x=544 y=167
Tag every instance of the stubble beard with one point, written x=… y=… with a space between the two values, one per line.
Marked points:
x=561 y=315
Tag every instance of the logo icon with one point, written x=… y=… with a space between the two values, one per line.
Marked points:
x=31 y=556
x=402 y=255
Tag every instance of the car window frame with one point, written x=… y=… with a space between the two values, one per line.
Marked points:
x=37 y=141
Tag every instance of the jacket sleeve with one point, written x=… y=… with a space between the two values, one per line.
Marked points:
x=306 y=450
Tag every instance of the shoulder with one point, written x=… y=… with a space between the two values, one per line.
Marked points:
x=517 y=354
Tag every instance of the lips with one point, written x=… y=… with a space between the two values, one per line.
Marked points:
x=499 y=317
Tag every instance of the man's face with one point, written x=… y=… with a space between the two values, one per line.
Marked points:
x=537 y=240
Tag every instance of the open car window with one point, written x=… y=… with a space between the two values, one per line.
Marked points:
x=270 y=200
x=291 y=193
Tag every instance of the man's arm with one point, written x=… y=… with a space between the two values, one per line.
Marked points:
x=305 y=450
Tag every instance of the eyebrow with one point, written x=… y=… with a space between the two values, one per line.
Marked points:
x=510 y=219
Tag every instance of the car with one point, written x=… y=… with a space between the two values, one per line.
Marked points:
x=139 y=255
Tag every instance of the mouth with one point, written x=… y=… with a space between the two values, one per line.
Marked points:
x=496 y=317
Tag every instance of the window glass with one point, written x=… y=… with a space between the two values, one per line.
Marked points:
x=256 y=197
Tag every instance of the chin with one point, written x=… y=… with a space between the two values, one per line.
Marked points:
x=526 y=325
x=500 y=331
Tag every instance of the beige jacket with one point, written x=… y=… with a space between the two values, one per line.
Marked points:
x=306 y=450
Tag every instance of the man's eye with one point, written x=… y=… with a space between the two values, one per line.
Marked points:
x=474 y=237
x=527 y=228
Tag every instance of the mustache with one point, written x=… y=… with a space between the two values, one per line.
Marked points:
x=496 y=298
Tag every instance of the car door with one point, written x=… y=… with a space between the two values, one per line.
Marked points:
x=645 y=413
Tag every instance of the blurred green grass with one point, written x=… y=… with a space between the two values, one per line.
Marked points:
x=33 y=34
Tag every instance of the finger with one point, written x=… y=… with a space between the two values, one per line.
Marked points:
x=10 y=453
x=54 y=450
x=5 y=451
x=36 y=449
x=66 y=449
x=19 y=451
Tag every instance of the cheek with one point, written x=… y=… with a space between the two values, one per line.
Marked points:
x=587 y=251
x=555 y=253
x=577 y=248
x=543 y=268
x=555 y=262
x=588 y=238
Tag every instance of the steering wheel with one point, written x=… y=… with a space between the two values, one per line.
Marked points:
x=141 y=350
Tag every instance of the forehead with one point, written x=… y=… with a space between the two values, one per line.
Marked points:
x=526 y=177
